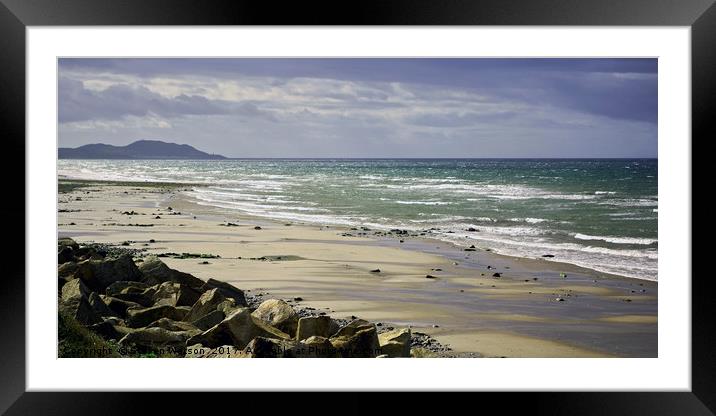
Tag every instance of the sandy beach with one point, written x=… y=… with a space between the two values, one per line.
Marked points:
x=478 y=303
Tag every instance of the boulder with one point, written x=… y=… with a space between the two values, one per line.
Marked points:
x=99 y=274
x=175 y=294
x=67 y=242
x=316 y=347
x=357 y=339
x=153 y=339
x=67 y=269
x=227 y=306
x=61 y=282
x=322 y=326
x=207 y=302
x=227 y=290
x=395 y=343
x=129 y=291
x=172 y=325
x=209 y=320
x=74 y=302
x=278 y=314
x=261 y=347
x=155 y=272
x=73 y=291
x=237 y=329
x=144 y=316
x=120 y=306
x=81 y=311
x=99 y=306
x=65 y=255
x=142 y=299
x=110 y=329
x=126 y=286
x=84 y=253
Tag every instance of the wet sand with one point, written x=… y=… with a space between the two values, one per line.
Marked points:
x=515 y=315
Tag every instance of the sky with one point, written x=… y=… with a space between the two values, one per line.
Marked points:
x=365 y=107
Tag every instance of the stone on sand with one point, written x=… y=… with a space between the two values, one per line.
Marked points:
x=278 y=314
x=237 y=329
x=395 y=343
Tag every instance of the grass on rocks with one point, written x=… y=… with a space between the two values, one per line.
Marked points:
x=79 y=342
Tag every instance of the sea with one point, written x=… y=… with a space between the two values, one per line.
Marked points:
x=597 y=213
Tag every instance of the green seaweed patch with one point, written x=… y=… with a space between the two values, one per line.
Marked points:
x=116 y=224
x=278 y=258
x=65 y=187
x=72 y=184
x=189 y=255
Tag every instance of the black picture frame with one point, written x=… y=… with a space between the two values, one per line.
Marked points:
x=16 y=15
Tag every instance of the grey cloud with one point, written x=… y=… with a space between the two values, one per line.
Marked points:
x=120 y=100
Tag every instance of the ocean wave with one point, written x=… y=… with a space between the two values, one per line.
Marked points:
x=616 y=240
x=633 y=202
x=529 y=220
x=254 y=207
x=422 y=202
x=639 y=264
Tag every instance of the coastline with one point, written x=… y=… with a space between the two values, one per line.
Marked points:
x=517 y=314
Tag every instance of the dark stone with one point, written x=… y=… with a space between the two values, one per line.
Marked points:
x=151 y=339
x=227 y=290
x=99 y=274
x=357 y=339
x=155 y=272
x=237 y=329
x=144 y=316
x=99 y=306
x=65 y=255
x=176 y=294
x=209 y=320
x=119 y=306
x=67 y=242
x=106 y=330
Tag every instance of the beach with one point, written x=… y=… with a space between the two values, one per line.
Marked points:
x=470 y=299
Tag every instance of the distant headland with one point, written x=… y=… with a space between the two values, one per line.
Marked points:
x=141 y=149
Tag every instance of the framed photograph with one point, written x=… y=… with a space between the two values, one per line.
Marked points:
x=490 y=197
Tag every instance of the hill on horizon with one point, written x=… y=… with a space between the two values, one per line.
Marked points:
x=141 y=149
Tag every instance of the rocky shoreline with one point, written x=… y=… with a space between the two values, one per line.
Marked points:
x=139 y=307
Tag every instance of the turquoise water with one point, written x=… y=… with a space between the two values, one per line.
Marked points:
x=600 y=214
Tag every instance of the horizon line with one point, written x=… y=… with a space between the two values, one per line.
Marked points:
x=383 y=158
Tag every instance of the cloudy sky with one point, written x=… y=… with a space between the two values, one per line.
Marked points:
x=365 y=107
